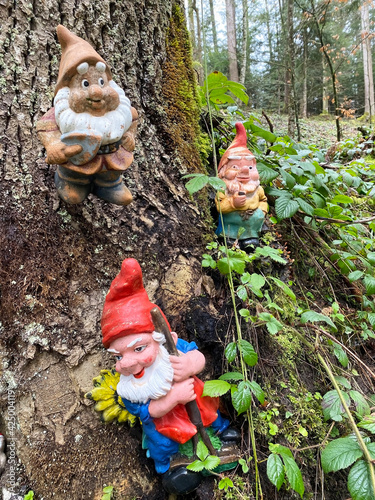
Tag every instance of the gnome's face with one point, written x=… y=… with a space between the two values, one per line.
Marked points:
x=90 y=92
x=241 y=168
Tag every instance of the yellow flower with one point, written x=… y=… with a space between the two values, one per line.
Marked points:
x=107 y=399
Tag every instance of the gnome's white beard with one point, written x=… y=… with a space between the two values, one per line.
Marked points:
x=110 y=126
x=155 y=383
x=234 y=186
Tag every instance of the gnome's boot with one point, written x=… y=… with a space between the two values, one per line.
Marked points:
x=109 y=186
x=73 y=187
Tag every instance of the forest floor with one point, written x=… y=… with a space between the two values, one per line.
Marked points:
x=319 y=130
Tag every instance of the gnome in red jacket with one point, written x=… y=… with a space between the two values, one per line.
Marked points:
x=89 y=133
x=243 y=205
x=154 y=385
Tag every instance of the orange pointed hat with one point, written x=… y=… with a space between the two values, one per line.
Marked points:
x=75 y=51
x=127 y=306
x=237 y=148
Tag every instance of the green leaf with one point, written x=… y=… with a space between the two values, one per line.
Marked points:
x=244 y=466
x=285 y=207
x=235 y=261
x=361 y=404
x=264 y=134
x=314 y=317
x=272 y=324
x=288 y=179
x=368 y=423
x=242 y=292
x=279 y=448
x=225 y=483
x=211 y=462
x=241 y=398
x=266 y=174
x=341 y=198
x=231 y=351
x=257 y=391
x=355 y=275
x=294 y=475
x=257 y=281
x=371 y=258
x=217 y=183
x=371 y=318
x=359 y=482
x=231 y=376
x=275 y=470
x=196 y=183
x=369 y=282
x=29 y=496
x=306 y=207
x=270 y=252
x=202 y=450
x=341 y=355
x=249 y=355
x=332 y=406
x=340 y=453
x=285 y=288
x=343 y=381
x=215 y=388
x=196 y=466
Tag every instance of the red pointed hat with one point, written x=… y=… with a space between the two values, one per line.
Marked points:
x=237 y=148
x=127 y=306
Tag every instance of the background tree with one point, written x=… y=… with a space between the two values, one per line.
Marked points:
x=57 y=261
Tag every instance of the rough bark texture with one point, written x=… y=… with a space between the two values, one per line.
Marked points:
x=57 y=261
x=367 y=61
x=231 y=39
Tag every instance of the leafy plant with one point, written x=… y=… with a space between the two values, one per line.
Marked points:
x=281 y=465
x=108 y=493
x=205 y=460
x=215 y=91
x=29 y=495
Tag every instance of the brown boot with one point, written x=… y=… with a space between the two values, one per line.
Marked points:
x=72 y=187
x=109 y=186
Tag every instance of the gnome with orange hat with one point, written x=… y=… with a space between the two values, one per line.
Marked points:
x=243 y=205
x=155 y=386
x=89 y=133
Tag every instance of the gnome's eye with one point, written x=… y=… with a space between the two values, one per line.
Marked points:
x=101 y=82
x=85 y=83
x=236 y=167
x=118 y=358
x=140 y=348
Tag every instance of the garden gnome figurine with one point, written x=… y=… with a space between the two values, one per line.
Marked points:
x=89 y=133
x=244 y=204
x=155 y=386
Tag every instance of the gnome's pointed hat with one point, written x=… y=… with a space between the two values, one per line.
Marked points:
x=237 y=148
x=75 y=51
x=127 y=306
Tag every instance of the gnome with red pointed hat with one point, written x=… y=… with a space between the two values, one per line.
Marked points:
x=89 y=133
x=155 y=386
x=243 y=205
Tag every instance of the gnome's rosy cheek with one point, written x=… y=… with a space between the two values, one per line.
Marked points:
x=231 y=174
x=111 y=98
x=77 y=100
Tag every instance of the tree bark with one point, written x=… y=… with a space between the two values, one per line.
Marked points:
x=325 y=96
x=213 y=25
x=245 y=37
x=304 y=76
x=367 y=61
x=231 y=40
x=58 y=261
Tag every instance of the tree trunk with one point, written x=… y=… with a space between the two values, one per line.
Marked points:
x=367 y=60
x=304 y=72
x=58 y=261
x=245 y=37
x=290 y=70
x=198 y=48
x=213 y=25
x=231 y=40
x=325 y=96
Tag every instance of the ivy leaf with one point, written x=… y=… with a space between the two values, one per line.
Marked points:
x=211 y=462
x=249 y=355
x=231 y=376
x=215 y=388
x=340 y=453
x=285 y=207
x=257 y=391
x=361 y=404
x=359 y=482
x=196 y=183
x=294 y=475
x=241 y=398
x=314 y=317
x=332 y=406
x=275 y=470
x=272 y=324
x=231 y=351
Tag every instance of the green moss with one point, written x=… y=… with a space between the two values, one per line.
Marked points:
x=179 y=87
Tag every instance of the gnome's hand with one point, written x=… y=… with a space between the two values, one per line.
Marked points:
x=186 y=365
x=59 y=153
x=128 y=141
x=180 y=393
x=239 y=200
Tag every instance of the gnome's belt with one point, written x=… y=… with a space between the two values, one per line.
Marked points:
x=109 y=148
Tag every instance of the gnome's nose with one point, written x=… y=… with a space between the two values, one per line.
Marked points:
x=95 y=92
